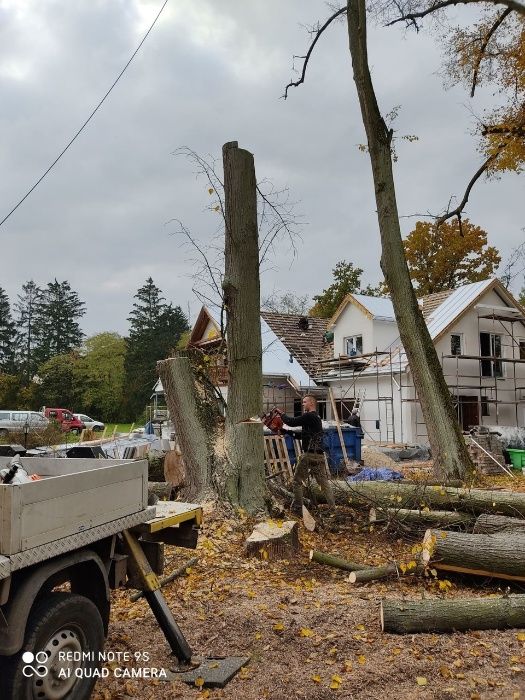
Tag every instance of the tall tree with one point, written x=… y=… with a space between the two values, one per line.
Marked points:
x=347 y=280
x=100 y=373
x=286 y=303
x=155 y=329
x=7 y=335
x=56 y=329
x=448 y=255
x=25 y=309
x=58 y=382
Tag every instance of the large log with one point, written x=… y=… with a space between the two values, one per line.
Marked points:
x=389 y=494
x=410 y=616
x=337 y=562
x=500 y=555
x=422 y=519
x=373 y=574
x=273 y=540
x=488 y=524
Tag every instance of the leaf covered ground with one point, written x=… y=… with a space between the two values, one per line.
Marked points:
x=309 y=633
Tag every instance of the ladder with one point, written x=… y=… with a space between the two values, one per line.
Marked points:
x=358 y=401
x=389 y=420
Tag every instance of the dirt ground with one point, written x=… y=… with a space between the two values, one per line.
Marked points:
x=308 y=632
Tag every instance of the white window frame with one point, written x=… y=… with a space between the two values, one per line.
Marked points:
x=353 y=339
x=492 y=343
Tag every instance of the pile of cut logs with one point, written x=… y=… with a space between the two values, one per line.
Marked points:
x=470 y=531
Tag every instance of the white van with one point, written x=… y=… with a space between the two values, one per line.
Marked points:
x=16 y=422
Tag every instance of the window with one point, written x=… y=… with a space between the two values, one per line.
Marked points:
x=456 y=344
x=4 y=415
x=490 y=346
x=22 y=417
x=484 y=406
x=353 y=345
x=522 y=349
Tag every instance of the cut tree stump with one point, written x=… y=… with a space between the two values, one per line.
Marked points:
x=337 y=562
x=499 y=555
x=488 y=524
x=410 y=616
x=422 y=519
x=273 y=540
x=373 y=574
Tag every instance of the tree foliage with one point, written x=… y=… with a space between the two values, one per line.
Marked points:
x=56 y=330
x=100 y=376
x=286 y=303
x=25 y=309
x=7 y=335
x=445 y=256
x=58 y=382
x=347 y=280
x=9 y=389
x=155 y=329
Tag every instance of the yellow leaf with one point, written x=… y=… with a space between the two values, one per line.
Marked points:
x=403 y=568
x=421 y=680
x=316 y=678
x=396 y=650
x=347 y=666
x=258 y=635
x=520 y=636
x=361 y=659
x=278 y=627
x=305 y=632
x=337 y=679
x=199 y=681
x=204 y=694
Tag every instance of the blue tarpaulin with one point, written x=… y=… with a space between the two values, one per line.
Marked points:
x=379 y=474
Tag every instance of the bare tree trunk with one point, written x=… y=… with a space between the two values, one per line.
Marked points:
x=245 y=483
x=195 y=422
x=448 y=447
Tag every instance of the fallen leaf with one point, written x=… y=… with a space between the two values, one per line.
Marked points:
x=199 y=681
x=316 y=678
x=421 y=680
x=305 y=632
x=361 y=659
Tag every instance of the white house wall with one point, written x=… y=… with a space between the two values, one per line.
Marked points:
x=377 y=334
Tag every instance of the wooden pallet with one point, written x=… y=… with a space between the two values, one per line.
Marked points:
x=276 y=459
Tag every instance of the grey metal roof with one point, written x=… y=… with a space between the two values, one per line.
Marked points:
x=380 y=307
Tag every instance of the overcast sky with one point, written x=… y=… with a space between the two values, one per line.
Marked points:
x=211 y=72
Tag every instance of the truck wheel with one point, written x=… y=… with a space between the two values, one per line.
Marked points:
x=61 y=629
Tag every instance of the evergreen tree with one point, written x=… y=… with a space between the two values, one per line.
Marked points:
x=7 y=335
x=155 y=329
x=56 y=329
x=25 y=309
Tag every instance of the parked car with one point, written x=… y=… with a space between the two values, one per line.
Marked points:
x=16 y=421
x=90 y=422
x=65 y=418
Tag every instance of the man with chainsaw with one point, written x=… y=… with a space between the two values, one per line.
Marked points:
x=312 y=461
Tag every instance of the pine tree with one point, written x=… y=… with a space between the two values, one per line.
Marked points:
x=7 y=335
x=155 y=328
x=56 y=330
x=25 y=309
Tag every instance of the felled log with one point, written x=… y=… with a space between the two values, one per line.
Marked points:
x=174 y=471
x=426 y=518
x=499 y=555
x=273 y=540
x=337 y=562
x=410 y=616
x=488 y=524
x=388 y=494
x=372 y=574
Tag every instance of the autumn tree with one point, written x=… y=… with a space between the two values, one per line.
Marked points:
x=449 y=255
x=347 y=280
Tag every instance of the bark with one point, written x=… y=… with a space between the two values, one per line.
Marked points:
x=245 y=483
x=451 y=459
x=195 y=422
x=387 y=494
x=337 y=562
x=410 y=616
x=373 y=574
x=160 y=489
x=422 y=519
x=501 y=555
x=489 y=524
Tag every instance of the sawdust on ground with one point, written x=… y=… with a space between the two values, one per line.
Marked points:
x=309 y=633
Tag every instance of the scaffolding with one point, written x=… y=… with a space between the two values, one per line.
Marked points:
x=484 y=400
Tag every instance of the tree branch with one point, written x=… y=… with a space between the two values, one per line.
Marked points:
x=411 y=17
x=318 y=33
x=503 y=16
x=479 y=172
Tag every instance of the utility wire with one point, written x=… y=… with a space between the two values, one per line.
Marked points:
x=88 y=119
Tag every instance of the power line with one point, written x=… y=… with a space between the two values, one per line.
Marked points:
x=88 y=119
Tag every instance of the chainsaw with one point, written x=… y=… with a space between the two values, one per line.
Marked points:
x=271 y=420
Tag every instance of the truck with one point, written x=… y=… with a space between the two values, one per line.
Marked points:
x=75 y=530
x=65 y=418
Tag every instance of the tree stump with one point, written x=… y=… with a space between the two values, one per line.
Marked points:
x=273 y=540
x=410 y=616
x=174 y=471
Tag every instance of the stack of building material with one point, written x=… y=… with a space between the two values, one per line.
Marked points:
x=486 y=443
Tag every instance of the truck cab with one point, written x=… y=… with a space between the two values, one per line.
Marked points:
x=65 y=418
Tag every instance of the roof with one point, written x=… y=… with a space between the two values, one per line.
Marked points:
x=204 y=318
x=305 y=344
x=430 y=302
x=277 y=358
x=376 y=308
